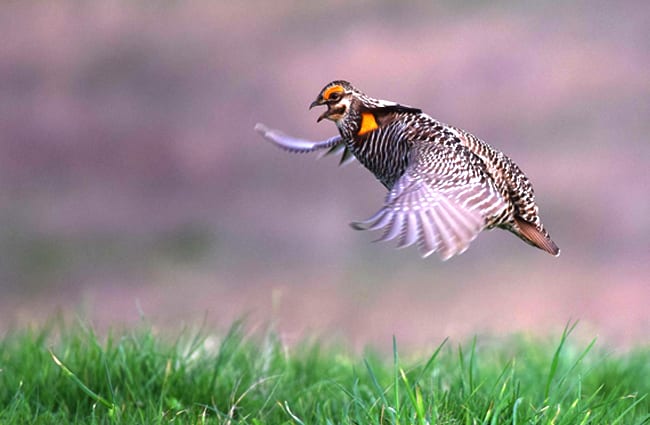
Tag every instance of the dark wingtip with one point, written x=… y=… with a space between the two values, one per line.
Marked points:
x=358 y=226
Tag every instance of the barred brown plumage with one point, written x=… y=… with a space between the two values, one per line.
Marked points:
x=445 y=185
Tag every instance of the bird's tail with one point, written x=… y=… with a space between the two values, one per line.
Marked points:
x=536 y=237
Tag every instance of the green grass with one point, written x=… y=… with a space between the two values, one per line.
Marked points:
x=68 y=374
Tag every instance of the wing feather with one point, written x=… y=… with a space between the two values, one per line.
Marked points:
x=393 y=228
x=428 y=242
x=439 y=206
x=333 y=145
x=410 y=231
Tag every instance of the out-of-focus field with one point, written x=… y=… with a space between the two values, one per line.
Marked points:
x=131 y=180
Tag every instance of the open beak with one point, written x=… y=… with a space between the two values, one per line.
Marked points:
x=319 y=102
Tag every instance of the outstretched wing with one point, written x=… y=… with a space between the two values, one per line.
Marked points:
x=441 y=202
x=334 y=145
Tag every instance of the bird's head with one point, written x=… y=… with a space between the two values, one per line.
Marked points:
x=337 y=96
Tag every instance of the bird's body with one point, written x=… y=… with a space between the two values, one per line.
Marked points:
x=445 y=185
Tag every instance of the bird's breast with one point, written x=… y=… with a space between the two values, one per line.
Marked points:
x=383 y=152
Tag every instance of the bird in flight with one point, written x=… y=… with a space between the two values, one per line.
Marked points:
x=444 y=184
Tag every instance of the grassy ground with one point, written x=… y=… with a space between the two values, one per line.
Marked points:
x=67 y=374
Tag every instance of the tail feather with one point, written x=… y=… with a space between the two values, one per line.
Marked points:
x=530 y=233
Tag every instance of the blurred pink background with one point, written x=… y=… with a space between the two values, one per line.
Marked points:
x=132 y=182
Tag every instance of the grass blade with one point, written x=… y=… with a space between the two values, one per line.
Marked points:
x=396 y=373
x=67 y=372
x=556 y=358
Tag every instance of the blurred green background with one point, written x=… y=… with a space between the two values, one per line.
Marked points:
x=131 y=180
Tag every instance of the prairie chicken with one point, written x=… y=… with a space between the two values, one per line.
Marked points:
x=444 y=185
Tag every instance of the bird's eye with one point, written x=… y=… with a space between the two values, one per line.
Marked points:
x=334 y=97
